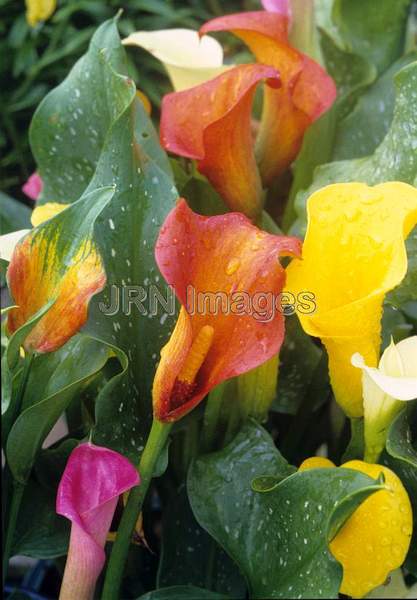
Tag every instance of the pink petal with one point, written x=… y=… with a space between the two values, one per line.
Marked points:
x=33 y=186
x=90 y=486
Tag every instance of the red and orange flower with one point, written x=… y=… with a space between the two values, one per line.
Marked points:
x=211 y=122
x=213 y=343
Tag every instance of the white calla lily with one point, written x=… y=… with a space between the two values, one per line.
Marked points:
x=385 y=389
x=8 y=242
x=188 y=59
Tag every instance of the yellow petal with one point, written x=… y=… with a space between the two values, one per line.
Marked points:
x=316 y=462
x=188 y=59
x=375 y=539
x=384 y=389
x=353 y=254
x=45 y=212
x=39 y=10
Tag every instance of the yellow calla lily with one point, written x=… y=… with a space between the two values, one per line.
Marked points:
x=375 y=539
x=353 y=254
x=188 y=59
x=39 y=10
x=316 y=462
x=385 y=389
x=45 y=212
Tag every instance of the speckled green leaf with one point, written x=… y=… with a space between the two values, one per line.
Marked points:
x=395 y=159
x=363 y=129
x=279 y=538
x=400 y=443
x=407 y=290
x=401 y=456
x=92 y=131
x=355 y=51
x=377 y=36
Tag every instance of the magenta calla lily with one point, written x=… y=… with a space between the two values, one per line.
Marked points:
x=33 y=186
x=88 y=492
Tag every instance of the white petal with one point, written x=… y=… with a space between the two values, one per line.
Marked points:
x=408 y=351
x=400 y=388
x=188 y=59
x=9 y=241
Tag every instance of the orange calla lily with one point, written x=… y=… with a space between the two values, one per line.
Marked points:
x=47 y=265
x=220 y=332
x=211 y=123
x=306 y=92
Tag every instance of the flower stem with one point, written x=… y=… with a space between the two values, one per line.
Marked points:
x=154 y=445
x=211 y=417
x=18 y=487
x=13 y=513
x=14 y=410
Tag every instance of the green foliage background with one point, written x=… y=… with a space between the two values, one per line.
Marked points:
x=35 y=60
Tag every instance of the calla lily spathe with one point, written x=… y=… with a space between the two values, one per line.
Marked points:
x=375 y=539
x=306 y=92
x=385 y=389
x=188 y=59
x=91 y=484
x=48 y=266
x=211 y=123
x=210 y=345
x=353 y=254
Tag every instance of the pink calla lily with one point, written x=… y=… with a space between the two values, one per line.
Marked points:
x=88 y=492
x=33 y=186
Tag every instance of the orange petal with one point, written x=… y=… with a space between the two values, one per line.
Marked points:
x=211 y=123
x=307 y=91
x=231 y=300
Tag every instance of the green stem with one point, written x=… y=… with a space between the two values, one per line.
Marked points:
x=212 y=416
x=11 y=416
x=154 y=445
x=14 y=511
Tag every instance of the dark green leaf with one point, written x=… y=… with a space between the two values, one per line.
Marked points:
x=117 y=143
x=363 y=129
x=10 y=359
x=395 y=159
x=14 y=215
x=191 y=556
x=52 y=385
x=182 y=592
x=299 y=358
x=279 y=538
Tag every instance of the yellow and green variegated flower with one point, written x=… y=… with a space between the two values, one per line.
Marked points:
x=353 y=254
x=59 y=261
